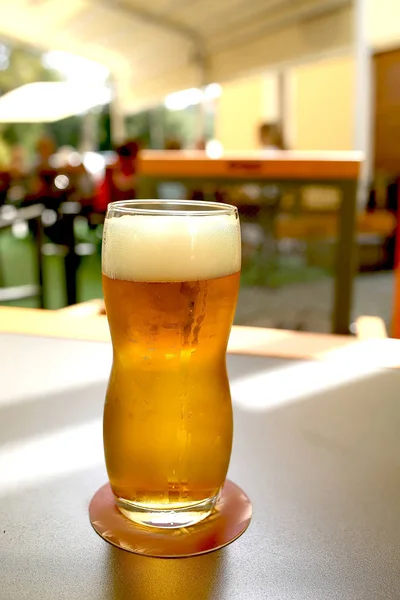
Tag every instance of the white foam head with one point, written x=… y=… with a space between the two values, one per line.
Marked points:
x=171 y=247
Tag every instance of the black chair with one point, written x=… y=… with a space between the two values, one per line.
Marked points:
x=8 y=217
x=4 y=186
x=61 y=233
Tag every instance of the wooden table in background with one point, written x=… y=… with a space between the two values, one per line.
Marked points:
x=78 y=323
x=338 y=170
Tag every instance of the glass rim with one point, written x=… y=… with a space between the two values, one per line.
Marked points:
x=148 y=207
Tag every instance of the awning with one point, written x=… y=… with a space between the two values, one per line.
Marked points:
x=45 y=102
x=158 y=47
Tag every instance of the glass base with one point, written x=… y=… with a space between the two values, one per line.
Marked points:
x=228 y=520
x=166 y=518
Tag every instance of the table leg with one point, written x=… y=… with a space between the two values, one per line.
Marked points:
x=147 y=188
x=345 y=258
x=69 y=211
x=39 y=254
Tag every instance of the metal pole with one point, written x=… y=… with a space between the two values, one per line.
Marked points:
x=201 y=124
x=345 y=258
x=363 y=134
x=88 y=140
x=117 y=117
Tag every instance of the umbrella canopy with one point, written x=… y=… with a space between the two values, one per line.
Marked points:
x=45 y=102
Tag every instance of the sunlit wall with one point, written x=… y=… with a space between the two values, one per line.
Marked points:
x=320 y=105
x=243 y=105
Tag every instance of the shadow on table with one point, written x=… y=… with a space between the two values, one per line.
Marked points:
x=144 y=578
x=53 y=411
x=240 y=365
x=27 y=418
x=320 y=463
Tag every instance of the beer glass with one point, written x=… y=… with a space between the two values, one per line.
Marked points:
x=170 y=279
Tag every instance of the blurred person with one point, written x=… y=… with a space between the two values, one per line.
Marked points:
x=200 y=144
x=120 y=177
x=270 y=137
x=18 y=163
x=84 y=185
x=18 y=175
x=4 y=172
x=4 y=184
x=45 y=148
x=79 y=185
x=41 y=187
x=173 y=144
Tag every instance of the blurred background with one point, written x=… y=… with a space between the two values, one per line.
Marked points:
x=89 y=88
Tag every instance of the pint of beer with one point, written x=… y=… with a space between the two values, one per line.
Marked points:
x=171 y=280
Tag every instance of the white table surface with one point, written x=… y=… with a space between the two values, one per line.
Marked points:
x=316 y=447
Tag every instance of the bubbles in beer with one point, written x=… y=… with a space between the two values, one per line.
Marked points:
x=171 y=248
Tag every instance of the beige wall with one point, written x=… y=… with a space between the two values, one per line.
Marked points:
x=320 y=105
x=383 y=23
x=245 y=104
x=320 y=95
x=318 y=108
x=320 y=111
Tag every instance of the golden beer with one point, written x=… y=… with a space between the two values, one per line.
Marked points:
x=170 y=280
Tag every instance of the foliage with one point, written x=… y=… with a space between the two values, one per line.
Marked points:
x=154 y=127
x=66 y=132
x=137 y=127
x=19 y=66
x=104 y=129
